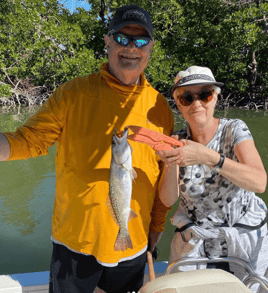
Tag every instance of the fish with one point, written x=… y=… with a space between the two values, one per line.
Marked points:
x=122 y=175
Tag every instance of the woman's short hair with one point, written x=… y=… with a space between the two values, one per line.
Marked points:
x=216 y=89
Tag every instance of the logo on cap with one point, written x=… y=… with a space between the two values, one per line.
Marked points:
x=195 y=76
x=135 y=14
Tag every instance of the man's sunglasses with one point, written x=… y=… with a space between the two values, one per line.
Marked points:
x=124 y=40
x=186 y=99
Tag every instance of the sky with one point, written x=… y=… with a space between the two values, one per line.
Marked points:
x=73 y=4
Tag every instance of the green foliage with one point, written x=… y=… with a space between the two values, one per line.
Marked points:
x=5 y=90
x=221 y=37
x=92 y=29
x=158 y=69
x=226 y=36
x=43 y=42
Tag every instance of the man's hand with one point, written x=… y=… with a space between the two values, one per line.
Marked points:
x=4 y=148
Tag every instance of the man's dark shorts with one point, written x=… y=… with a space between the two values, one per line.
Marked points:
x=72 y=272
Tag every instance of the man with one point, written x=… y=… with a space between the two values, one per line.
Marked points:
x=81 y=116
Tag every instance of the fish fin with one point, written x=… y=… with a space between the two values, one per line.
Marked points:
x=122 y=243
x=132 y=215
x=131 y=148
x=109 y=204
x=134 y=174
x=125 y=166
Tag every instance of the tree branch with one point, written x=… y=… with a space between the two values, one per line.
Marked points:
x=102 y=11
x=8 y=77
x=254 y=69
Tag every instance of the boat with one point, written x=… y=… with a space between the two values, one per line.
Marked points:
x=202 y=280
x=159 y=278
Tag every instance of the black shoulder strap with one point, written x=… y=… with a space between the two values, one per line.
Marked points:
x=237 y=225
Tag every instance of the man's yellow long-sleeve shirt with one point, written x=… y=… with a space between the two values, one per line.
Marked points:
x=81 y=116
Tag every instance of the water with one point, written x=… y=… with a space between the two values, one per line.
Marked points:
x=27 y=190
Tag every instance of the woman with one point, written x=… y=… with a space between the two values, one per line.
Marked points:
x=216 y=174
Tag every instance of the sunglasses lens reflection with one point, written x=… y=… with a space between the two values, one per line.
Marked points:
x=124 y=40
x=141 y=42
x=205 y=95
x=186 y=99
x=121 y=39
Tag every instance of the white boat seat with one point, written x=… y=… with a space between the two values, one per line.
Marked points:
x=251 y=279
x=205 y=280
x=200 y=281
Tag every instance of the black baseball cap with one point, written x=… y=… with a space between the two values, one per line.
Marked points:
x=131 y=14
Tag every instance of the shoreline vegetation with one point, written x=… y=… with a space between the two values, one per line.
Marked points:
x=37 y=96
x=43 y=45
x=29 y=106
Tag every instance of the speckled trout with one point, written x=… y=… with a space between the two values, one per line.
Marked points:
x=120 y=188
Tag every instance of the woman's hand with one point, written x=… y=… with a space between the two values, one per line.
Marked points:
x=191 y=153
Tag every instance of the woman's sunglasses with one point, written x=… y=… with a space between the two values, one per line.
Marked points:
x=186 y=99
x=124 y=40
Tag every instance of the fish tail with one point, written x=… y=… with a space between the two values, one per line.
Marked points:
x=123 y=242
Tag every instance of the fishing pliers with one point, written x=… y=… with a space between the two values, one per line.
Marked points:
x=154 y=139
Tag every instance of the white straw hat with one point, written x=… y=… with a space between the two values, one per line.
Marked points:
x=195 y=75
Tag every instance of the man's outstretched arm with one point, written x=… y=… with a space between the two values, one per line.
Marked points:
x=4 y=148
